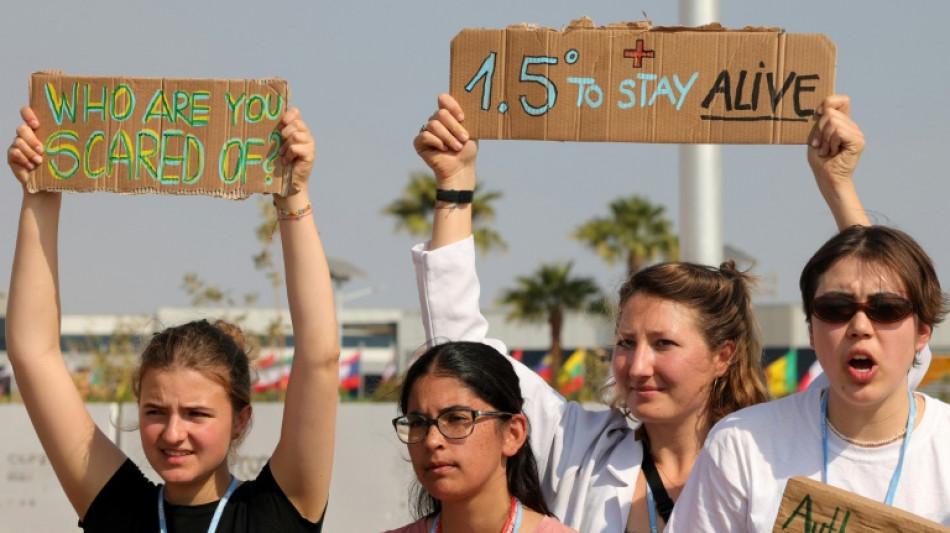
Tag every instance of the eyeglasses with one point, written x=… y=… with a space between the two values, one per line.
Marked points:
x=455 y=424
x=881 y=308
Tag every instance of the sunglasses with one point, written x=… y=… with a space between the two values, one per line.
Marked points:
x=880 y=308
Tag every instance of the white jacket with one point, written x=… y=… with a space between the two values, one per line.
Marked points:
x=588 y=461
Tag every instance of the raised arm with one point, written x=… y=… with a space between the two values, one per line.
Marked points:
x=81 y=455
x=445 y=146
x=303 y=459
x=833 y=154
x=449 y=288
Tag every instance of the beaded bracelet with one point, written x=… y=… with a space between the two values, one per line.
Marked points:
x=297 y=214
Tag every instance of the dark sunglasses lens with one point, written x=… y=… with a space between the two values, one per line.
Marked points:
x=834 y=309
x=882 y=309
x=887 y=310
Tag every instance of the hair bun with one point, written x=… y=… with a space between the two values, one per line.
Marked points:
x=235 y=333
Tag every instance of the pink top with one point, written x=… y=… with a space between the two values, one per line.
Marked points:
x=547 y=525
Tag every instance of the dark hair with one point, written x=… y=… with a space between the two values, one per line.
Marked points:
x=216 y=350
x=722 y=301
x=890 y=248
x=491 y=377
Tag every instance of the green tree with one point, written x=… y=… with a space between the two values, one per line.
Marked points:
x=413 y=212
x=635 y=231
x=545 y=296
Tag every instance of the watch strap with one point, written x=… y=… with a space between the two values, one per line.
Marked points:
x=454 y=196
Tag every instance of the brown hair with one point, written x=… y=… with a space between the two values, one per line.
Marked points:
x=722 y=301
x=890 y=248
x=217 y=350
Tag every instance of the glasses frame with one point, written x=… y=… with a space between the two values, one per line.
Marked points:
x=869 y=307
x=475 y=414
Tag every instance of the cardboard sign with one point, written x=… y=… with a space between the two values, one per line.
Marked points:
x=809 y=505
x=630 y=82
x=163 y=135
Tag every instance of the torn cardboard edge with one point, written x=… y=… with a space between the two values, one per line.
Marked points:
x=586 y=23
x=185 y=136
x=632 y=82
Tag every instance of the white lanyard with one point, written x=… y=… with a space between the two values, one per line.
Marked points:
x=219 y=510
x=911 y=417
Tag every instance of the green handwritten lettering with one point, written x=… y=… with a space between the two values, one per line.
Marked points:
x=94 y=137
x=143 y=154
x=52 y=150
x=232 y=106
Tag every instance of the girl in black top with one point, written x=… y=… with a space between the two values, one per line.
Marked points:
x=193 y=385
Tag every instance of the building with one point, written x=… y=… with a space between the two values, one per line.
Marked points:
x=387 y=339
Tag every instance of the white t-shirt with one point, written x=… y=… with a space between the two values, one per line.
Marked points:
x=738 y=480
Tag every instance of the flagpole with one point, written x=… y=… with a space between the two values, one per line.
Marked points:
x=700 y=172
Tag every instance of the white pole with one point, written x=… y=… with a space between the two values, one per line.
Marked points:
x=700 y=172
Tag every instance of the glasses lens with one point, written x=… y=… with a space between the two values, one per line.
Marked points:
x=834 y=309
x=456 y=424
x=888 y=309
x=410 y=429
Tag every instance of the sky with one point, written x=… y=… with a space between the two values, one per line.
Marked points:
x=366 y=76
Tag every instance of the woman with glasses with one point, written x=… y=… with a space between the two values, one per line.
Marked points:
x=467 y=437
x=871 y=298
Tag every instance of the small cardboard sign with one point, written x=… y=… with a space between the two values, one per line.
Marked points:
x=631 y=82
x=163 y=135
x=809 y=505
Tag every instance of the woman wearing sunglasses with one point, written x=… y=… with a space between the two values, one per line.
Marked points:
x=871 y=298
x=467 y=437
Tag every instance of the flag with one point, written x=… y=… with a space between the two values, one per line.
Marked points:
x=814 y=371
x=543 y=368
x=517 y=355
x=781 y=375
x=390 y=371
x=272 y=373
x=350 y=376
x=571 y=378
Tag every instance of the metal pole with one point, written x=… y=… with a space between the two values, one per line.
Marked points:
x=700 y=172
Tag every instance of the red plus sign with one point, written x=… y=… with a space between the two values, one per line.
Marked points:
x=638 y=54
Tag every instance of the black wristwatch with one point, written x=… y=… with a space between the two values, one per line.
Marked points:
x=454 y=196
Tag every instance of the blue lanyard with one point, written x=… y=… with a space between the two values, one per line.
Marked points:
x=509 y=527
x=911 y=417
x=219 y=510
x=651 y=507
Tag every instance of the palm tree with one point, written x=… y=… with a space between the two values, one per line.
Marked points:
x=545 y=296
x=635 y=230
x=413 y=212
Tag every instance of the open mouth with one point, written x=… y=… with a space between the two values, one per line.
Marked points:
x=861 y=367
x=861 y=363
